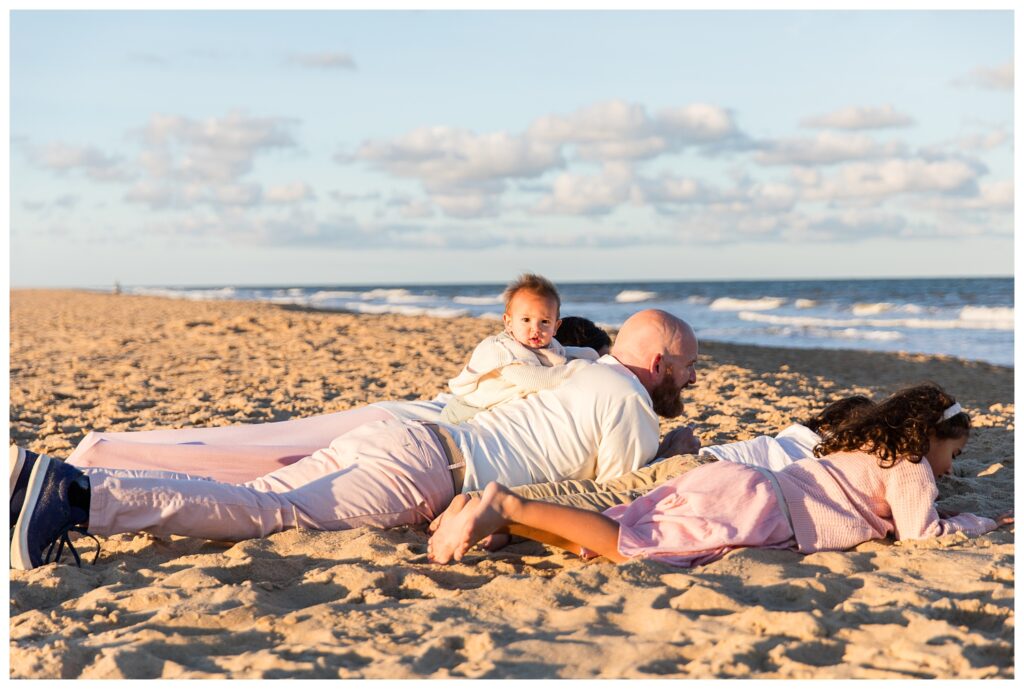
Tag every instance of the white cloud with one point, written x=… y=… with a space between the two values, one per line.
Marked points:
x=217 y=149
x=860 y=118
x=289 y=193
x=65 y=158
x=325 y=60
x=187 y=161
x=62 y=202
x=467 y=204
x=444 y=157
x=895 y=176
x=998 y=78
x=617 y=130
x=824 y=149
x=589 y=194
x=411 y=208
x=995 y=198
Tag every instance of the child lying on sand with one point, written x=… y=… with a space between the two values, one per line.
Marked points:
x=870 y=481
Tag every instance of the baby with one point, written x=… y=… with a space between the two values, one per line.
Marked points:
x=523 y=359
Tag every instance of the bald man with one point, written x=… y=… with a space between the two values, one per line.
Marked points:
x=599 y=425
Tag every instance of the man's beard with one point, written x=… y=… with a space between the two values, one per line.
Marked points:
x=666 y=399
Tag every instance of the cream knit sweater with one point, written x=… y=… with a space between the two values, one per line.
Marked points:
x=501 y=369
x=845 y=498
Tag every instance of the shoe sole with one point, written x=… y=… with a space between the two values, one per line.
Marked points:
x=16 y=462
x=20 y=558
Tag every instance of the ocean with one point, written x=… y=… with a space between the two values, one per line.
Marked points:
x=969 y=318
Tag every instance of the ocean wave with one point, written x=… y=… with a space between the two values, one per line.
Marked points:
x=479 y=301
x=989 y=314
x=910 y=323
x=332 y=294
x=732 y=304
x=837 y=334
x=875 y=308
x=628 y=296
x=193 y=294
x=403 y=310
x=697 y=299
x=805 y=303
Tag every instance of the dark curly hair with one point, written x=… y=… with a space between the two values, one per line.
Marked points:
x=837 y=413
x=582 y=332
x=898 y=427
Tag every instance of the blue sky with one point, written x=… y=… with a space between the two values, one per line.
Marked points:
x=402 y=147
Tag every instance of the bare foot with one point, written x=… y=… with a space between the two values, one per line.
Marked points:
x=480 y=517
x=496 y=541
x=454 y=507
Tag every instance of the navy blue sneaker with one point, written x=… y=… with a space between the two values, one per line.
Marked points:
x=47 y=516
x=20 y=463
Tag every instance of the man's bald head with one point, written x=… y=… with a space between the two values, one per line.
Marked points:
x=661 y=350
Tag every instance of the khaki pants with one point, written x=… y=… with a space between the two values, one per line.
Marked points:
x=591 y=495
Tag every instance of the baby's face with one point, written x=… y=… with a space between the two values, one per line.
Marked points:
x=531 y=319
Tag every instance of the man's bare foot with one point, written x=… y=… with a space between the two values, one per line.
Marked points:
x=478 y=519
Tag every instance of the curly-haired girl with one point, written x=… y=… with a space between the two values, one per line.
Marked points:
x=869 y=482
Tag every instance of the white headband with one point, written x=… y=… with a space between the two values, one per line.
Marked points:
x=952 y=411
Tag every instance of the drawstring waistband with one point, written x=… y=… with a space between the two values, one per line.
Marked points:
x=779 y=497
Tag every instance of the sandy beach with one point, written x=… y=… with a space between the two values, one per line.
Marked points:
x=367 y=604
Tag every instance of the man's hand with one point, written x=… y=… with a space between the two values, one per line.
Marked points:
x=679 y=441
x=1005 y=518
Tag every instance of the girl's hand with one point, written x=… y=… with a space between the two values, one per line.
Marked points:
x=1005 y=518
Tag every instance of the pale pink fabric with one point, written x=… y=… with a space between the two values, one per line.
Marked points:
x=699 y=516
x=835 y=503
x=232 y=454
x=846 y=498
x=383 y=474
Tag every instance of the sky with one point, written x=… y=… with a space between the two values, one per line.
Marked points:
x=408 y=147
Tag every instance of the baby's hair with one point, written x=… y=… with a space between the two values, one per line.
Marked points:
x=837 y=413
x=535 y=284
x=898 y=427
x=582 y=332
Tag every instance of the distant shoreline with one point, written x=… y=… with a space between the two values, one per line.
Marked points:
x=770 y=351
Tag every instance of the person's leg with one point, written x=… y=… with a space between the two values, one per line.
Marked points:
x=384 y=474
x=499 y=508
x=589 y=494
x=232 y=454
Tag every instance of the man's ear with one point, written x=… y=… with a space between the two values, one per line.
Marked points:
x=657 y=363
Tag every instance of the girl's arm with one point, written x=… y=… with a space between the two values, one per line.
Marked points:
x=911 y=494
x=499 y=508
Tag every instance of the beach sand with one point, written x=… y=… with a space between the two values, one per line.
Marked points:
x=366 y=603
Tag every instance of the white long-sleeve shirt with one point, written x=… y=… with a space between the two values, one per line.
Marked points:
x=599 y=424
x=794 y=443
x=501 y=369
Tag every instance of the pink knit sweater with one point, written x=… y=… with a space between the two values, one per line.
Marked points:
x=846 y=498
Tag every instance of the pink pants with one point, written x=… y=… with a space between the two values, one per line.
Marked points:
x=232 y=454
x=385 y=473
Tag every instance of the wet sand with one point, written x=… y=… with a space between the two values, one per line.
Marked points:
x=366 y=603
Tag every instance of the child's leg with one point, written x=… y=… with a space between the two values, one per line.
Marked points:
x=559 y=525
